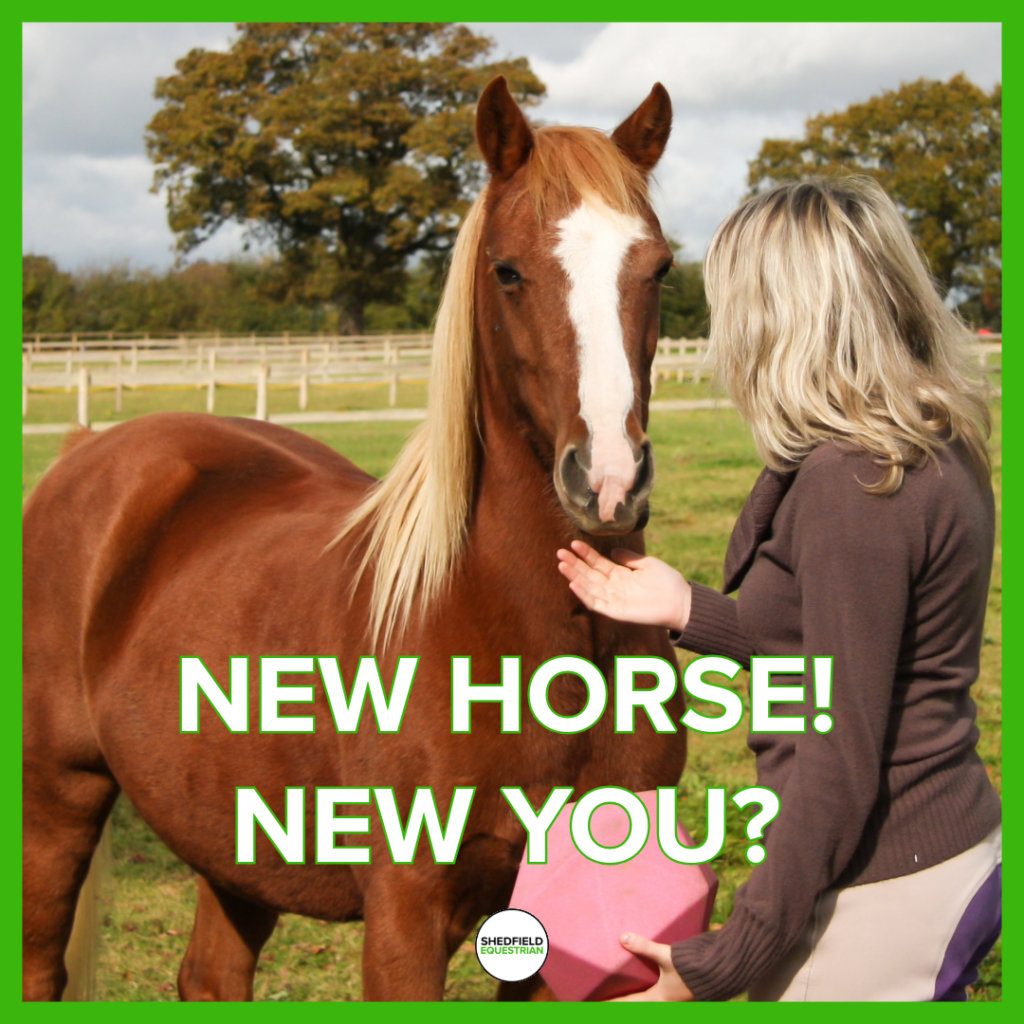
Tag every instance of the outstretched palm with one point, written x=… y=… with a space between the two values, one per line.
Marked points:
x=632 y=588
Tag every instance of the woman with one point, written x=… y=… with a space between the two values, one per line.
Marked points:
x=868 y=539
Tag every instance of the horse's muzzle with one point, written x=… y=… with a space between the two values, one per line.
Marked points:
x=583 y=505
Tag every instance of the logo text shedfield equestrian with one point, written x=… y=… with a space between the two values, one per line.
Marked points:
x=512 y=945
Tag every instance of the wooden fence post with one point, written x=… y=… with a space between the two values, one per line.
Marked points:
x=304 y=381
x=261 y=391
x=119 y=387
x=211 y=386
x=83 y=397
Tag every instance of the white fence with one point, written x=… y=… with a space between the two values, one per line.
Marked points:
x=87 y=363
x=211 y=363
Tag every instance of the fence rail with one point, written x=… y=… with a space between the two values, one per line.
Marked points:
x=86 y=340
x=84 y=364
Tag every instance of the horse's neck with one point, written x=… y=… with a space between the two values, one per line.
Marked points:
x=516 y=515
x=515 y=500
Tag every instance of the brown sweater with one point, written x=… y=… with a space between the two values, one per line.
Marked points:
x=894 y=589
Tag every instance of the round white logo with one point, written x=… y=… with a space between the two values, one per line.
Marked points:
x=512 y=945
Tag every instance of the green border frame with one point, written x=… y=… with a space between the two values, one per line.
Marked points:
x=10 y=595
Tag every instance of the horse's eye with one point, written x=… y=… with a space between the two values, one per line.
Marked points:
x=506 y=275
x=662 y=271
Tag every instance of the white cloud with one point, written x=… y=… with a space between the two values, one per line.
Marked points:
x=88 y=97
x=88 y=88
x=765 y=66
x=703 y=174
x=89 y=210
x=734 y=85
x=554 y=40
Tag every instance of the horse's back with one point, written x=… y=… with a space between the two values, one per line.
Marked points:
x=154 y=457
x=125 y=512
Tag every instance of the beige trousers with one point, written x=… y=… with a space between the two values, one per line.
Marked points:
x=882 y=941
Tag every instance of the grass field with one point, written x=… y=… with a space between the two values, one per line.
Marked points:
x=706 y=465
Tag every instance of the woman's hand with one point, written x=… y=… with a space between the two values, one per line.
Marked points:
x=669 y=988
x=633 y=588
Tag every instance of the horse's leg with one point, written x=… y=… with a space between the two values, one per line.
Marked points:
x=63 y=816
x=405 y=949
x=226 y=941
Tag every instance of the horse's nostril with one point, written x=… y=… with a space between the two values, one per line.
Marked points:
x=644 y=469
x=574 y=476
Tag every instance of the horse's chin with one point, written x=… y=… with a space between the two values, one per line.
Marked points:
x=627 y=519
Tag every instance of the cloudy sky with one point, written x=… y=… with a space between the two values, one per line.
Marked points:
x=87 y=96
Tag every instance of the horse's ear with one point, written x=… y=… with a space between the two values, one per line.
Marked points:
x=643 y=135
x=502 y=133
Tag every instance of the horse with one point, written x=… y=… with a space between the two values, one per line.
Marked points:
x=178 y=535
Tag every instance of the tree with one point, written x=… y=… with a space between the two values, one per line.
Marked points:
x=684 y=308
x=935 y=147
x=236 y=295
x=348 y=146
x=47 y=296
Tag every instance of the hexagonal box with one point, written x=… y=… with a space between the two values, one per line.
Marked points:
x=586 y=906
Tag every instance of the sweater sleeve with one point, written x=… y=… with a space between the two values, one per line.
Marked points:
x=852 y=558
x=713 y=627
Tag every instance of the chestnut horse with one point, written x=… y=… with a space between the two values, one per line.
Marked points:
x=179 y=535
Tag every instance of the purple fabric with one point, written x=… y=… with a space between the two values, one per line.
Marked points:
x=975 y=935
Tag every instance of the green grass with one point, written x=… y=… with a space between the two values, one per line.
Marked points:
x=706 y=465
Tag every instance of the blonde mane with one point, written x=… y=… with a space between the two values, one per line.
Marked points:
x=416 y=518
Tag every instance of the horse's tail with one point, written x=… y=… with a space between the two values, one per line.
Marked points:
x=83 y=946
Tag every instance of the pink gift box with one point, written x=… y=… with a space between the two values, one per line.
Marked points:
x=585 y=906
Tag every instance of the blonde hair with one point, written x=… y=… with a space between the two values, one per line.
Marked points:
x=415 y=519
x=825 y=324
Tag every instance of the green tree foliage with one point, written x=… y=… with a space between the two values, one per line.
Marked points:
x=47 y=296
x=236 y=296
x=936 y=148
x=684 y=309
x=417 y=304
x=348 y=146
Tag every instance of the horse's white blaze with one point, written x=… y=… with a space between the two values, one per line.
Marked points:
x=593 y=241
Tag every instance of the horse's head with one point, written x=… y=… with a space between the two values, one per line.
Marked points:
x=571 y=260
